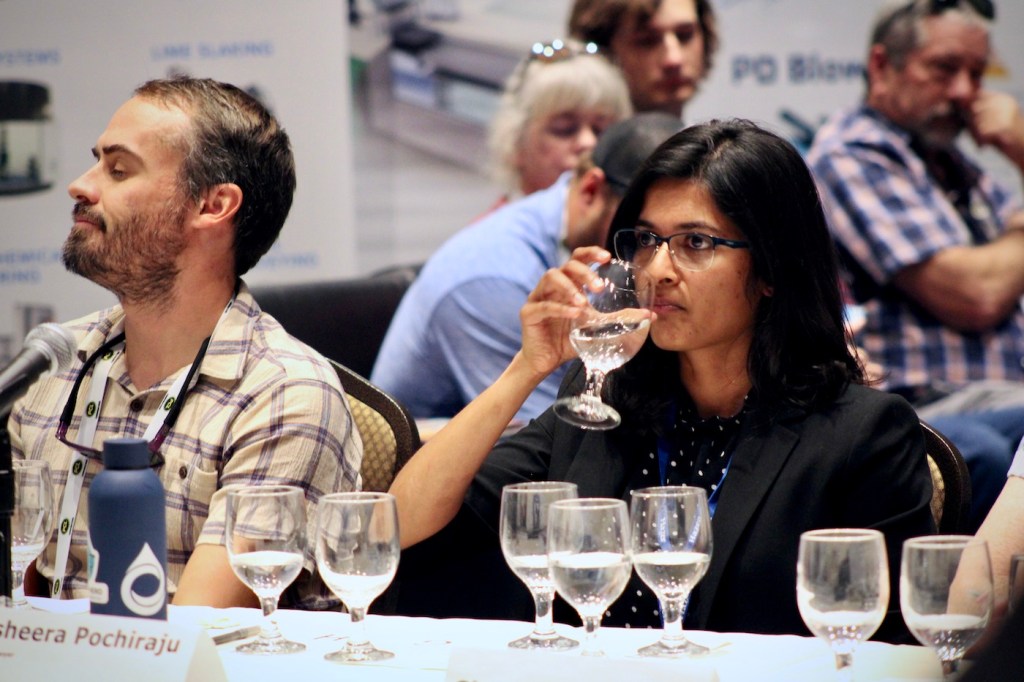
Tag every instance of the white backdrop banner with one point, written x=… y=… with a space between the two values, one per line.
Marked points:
x=66 y=65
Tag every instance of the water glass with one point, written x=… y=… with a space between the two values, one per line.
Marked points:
x=1016 y=591
x=946 y=594
x=265 y=535
x=842 y=588
x=357 y=555
x=588 y=547
x=607 y=334
x=32 y=522
x=524 y=542
x=671 y=530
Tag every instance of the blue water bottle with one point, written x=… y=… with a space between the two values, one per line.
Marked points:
x=127 y=534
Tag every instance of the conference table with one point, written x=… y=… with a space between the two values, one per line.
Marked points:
x=424 y=648
x=436 y=650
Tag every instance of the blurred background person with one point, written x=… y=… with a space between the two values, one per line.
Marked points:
x=931 y=244
x=665 y=48
x=555 y=105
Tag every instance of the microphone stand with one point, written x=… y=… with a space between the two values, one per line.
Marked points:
x=6 y=510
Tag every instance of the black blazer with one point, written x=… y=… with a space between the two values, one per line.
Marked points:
x=858 y=463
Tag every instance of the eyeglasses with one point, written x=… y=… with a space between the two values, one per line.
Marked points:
x=559 y=50
x=692 y=251
x=156 y=459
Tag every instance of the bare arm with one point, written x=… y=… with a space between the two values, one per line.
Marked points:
x=209 y=581
x=1004 y=530
x=430 y=487
x=971 y=288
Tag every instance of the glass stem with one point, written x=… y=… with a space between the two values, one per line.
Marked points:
x=672 y=610
x=544 y=625
x=18 y=588
x=844 y=666
x=950 y=668
x=269 y=629
x=589 y=647
x=595 y=381
x=357 y=636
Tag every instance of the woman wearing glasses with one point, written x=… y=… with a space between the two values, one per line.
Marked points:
x=555 y=105
x=745 y=386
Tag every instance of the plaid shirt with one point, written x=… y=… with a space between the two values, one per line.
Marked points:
x=886 y=213
x=266 y=410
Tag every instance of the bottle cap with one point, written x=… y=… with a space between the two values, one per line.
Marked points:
x=125 y=453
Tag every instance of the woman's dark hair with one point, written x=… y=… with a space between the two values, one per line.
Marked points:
x=799 y=355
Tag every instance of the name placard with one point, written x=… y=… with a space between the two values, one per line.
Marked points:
x=80 y=647
x=490 y=665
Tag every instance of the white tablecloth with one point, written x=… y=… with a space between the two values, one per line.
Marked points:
x=423 y=646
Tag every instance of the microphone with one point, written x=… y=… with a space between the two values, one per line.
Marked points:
x=48 y=348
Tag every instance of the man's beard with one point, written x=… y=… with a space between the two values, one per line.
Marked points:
x=942 y=127
x=136 y=261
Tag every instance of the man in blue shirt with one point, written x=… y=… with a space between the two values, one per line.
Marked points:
x=457 y=327
x=932 y=244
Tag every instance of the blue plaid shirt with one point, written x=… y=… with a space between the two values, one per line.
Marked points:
x=887 y=213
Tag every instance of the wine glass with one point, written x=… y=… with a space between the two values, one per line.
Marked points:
x=524 y=542
x=32 y=521
x=588 y=547
x=946 y=593
x=671 y=551
x=265 y=535
x=607 y=334
x=842 y=588
x=357 y=555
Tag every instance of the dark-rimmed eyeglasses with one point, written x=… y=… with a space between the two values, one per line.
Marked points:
x=694 y=251
x=67 y=414
x=985 y=8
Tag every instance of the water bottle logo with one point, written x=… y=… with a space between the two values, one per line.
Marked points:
x=145 y=564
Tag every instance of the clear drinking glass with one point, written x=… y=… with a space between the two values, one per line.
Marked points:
x=524 y=542
x=32 y=522
x=1015 y=595
x=842 y=588
x=588 y=547
x=607 y=334
x=357 y=555
x=265 y=535
x=946 y=594
x=671 y=528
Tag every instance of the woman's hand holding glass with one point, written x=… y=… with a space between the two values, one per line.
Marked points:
x=588 y=546
x=32 y=522
x=671 y=551
x=265 y=536
x=524 y=542
x=842 y=587
x=606 y=334
x=357 y=555
x=946 y=594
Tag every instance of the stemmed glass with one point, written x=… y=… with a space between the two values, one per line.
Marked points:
x=946 y=594
x=524 y=542
x=842 y=588
x=607 y=334
x=357 y=555
x=265 y=535
x=32 y=522
x=588 y=546
x=671 y=551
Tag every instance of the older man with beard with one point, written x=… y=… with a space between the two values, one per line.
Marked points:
x=192 y=183
x=933 y=245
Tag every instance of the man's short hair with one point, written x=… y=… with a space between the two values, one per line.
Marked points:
x=597 y=21
x=898 y=26
x=538 y=88
x=626 y=145
x=233 y=139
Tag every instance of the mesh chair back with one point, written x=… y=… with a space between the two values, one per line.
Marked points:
x=386 y=428
x=951 y=482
